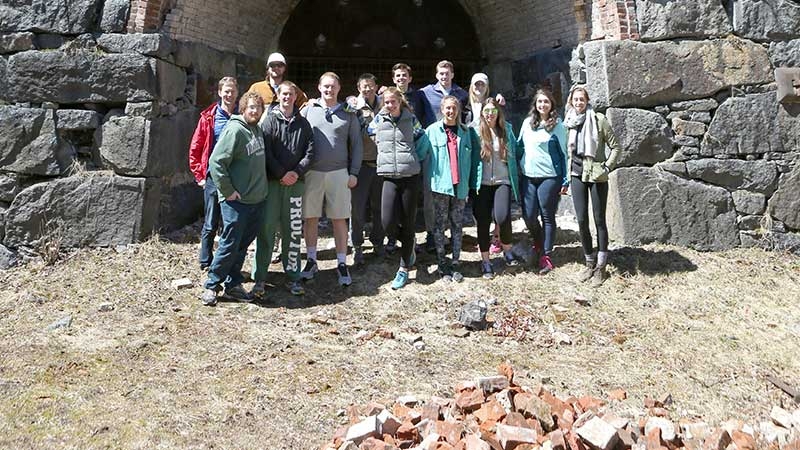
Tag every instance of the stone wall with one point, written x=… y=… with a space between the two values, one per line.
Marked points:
x=710 y=157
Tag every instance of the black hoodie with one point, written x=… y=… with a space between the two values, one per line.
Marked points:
x=289 y=143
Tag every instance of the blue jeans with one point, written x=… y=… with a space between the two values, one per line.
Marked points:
x=540 y=198
x=211 y=222
x=240 y=224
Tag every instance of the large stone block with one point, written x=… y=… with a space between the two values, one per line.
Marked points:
x=650 y=205
x=785 y=53
x=634 y=74
x=137 y=146
x=744 y=125
x=150 y=44
x=785 y=204
x=179 y=199
x=9 y=186
x=114 y=17
x=77 y=119
x=16 y=42
x=49 y=16
x=29 y=143
x=736 y=174
x=84 y=76
x=92 y=210
x=644 y=136
x=670 y=19
x=766 y=19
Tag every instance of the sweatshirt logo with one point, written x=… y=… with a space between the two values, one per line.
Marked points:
x=296 y=226
x=255 y=147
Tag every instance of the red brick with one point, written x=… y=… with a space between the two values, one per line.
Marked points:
x=450 y=431
x=653 y=440
x=557 y=441
x=574 y=441
x=743 y=440
x=473 y=442
x=516 y=419
x=510 y=437
x=468 y=400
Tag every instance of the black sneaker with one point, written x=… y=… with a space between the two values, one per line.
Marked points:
x=238 y=293
x=344 y=275
x=309 y=270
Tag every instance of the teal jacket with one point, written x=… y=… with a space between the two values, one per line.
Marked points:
x=238 y=162
x=469 y=161
x=543 y=153
x=511 y=160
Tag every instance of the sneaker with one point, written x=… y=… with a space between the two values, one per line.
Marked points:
x=495 y=247
x=510 y=259
x=457 y=277
x=586 y=272
x=296 y=287
x=259 y=289
x=391 y=246
x=309 y=270
x=486 y=269
x=545 y=265
x=209 y=297
x=358 y=256
x=430 y=244
x=344 y=275
x=599 y=276
x=400 y=280
x=238 y=293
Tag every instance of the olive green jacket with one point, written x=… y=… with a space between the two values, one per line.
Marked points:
x=596 y=170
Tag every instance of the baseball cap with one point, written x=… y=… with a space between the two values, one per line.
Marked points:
x=276 y=58
x=480 y=76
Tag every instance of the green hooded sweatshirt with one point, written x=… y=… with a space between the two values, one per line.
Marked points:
x=238 y=162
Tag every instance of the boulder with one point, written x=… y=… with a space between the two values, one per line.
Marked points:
x=138 y=146
x=49 y=16
x=744 y=125
x=650 y=205
x=77 y=119
x=785 y=204
x=785 y=53
x=688 y=127
x=150 y=44
x=15 y=42
x=8 y=259
x=661 y=20
x=209 y=65
x=10 y=186
x=93 y=210
x=89 y=77
x=180 y=200
x=735 y=174
x=789 y=127
x=747 y=202
x=114 y=18
x=30 y=143
x=767 y=19
x=635 y=74
x=704 y=105
x=644 y=136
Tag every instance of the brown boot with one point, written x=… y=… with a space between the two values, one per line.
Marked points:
x=599 y=276
x=586 y=272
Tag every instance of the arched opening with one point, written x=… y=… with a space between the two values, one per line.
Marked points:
x=351 y=37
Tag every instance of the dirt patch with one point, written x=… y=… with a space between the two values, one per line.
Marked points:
x=156 y=368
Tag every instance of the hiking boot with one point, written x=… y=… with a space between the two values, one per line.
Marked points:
x=344 y=275
x=585 y=274
x=391 y=245
x=487 y=270
x=545 y=265
x=599 y=276
x=358 y=256
x=259 y=289
x=209 y=297
x=495 y=247
x=296 y=287
x=400 y=280
x=456 y=274
x=238 y=293
x=309 y=270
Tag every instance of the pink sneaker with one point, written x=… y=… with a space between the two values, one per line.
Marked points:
x=495 y=247
x=545 y=265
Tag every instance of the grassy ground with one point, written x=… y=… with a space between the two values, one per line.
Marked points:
x=145 y=366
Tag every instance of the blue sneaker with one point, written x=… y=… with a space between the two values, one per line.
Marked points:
x=400 y=279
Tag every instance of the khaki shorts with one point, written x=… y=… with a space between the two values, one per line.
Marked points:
x=330 y=188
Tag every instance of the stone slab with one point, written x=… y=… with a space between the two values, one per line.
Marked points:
x=661 y=20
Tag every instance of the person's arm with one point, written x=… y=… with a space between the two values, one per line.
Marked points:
x=475 y=160
x=307 y=139
x=422 y=145
x=199 y=141
x=355 y=144
x=561 y=133
x=611 y=141
x=219 y=163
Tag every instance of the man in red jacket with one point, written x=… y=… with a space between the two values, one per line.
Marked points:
x=212 y=121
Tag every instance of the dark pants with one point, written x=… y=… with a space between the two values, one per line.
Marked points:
x=493 y=202
x=540 y=199
x=240 y=224
x=580 y=198
x=399 y=199
x=368 y=190
x=211 y=222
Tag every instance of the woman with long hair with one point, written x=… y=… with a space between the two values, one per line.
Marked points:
x=402 y=145
x=499 y=181
x=543 y=142
x=589 y=134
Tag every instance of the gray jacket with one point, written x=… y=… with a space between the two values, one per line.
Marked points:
x=401 y=142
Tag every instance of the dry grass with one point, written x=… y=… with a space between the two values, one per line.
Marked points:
x=161 y=371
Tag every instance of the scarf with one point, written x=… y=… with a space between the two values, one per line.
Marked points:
x=582 y=133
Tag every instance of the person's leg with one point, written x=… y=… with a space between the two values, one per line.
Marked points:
x=530 y=213
x=599 y=200
x=390 y=214
x=501 y=211
x=456 y=233
x=441 y=207
x=337 y=207
x=292 y=230
x=313 y=198
x=359 y=198
x=265 y=239
x=428 y=205
x=211 y=222
x=251 y=220
x=548 y=193
x=228 y=244
x=483 y=216
x=580 y=200
x=376 y=234
x=409 y=199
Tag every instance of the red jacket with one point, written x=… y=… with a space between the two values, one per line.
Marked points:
x=201 y=146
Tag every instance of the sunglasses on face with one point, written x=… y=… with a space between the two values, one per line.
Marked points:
x=490 y=111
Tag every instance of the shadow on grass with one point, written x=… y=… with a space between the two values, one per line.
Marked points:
x=633 y=261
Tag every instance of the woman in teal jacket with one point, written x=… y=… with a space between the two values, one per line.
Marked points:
x=498 y=182
x=454 y=169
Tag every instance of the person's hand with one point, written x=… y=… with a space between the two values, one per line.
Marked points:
x=381 y=89
x=352 y=181
x=202 y=183
x=500 y=99
x=564 y=190
x=289 y=178
x=233 y=197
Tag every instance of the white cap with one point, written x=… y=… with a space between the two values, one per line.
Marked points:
x=480 y=76
x=276 y=57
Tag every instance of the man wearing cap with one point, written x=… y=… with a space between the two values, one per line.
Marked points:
x=276 y=74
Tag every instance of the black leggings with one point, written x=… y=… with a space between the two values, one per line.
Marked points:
x=493 y=202
x=580 y=198
x=399 y=207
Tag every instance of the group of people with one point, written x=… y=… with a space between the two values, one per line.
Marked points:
x=278 y=161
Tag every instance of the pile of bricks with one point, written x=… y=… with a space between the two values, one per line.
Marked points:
x=493 y=413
